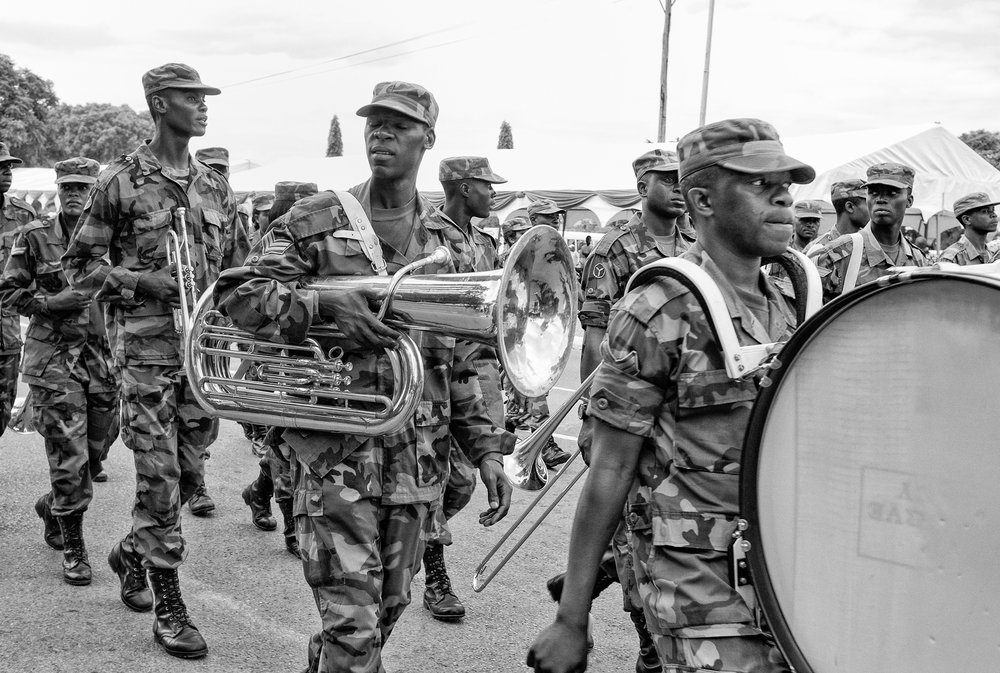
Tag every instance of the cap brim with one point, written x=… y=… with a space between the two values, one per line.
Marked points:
x=494 y=179
x=889 y=183
x=959 y=213
x=10 y=160
x=82 y=179
x=756 y=164
x=548 y=212
x=366 y=110
x=188 y=86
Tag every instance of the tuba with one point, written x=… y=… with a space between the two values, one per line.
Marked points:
x=527 y=310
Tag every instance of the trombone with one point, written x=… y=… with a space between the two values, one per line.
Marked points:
x=526 y=470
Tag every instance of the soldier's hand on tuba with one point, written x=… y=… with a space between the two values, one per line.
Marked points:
x=351 y=310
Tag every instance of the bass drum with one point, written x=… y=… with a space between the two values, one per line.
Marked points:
x=871 y=481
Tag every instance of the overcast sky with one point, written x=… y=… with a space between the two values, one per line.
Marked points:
x=560 y=71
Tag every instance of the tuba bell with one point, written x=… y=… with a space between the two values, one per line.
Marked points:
x=527 y=310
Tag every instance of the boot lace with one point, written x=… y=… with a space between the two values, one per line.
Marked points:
x=170 y=590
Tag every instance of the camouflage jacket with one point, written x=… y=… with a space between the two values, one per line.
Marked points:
x=964 y=253
x=265 y=298
x=822 y=240
x=33 y=274
x=832 y=261
x=123 y=233
x=14 y=214
x=615 y=258
x=662 y=377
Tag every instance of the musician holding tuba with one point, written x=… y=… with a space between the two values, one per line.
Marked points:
x=362 y=503
x=156 y=219
x=669 y=421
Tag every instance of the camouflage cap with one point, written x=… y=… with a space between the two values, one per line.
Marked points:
x=77 y=169
x=412 y=100
x=263 y=202
x=544 y=207
x=290 y=190
x=215 y=156
x=971 y=202
x=846 y=189
x=808 y=209
x=662 y=161
x=742 y=145
x=517 y=223
x=175 y=76
x=892 y=174
x=5 y=156
x=463 y=168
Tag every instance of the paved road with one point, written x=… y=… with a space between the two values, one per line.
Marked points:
x=247 y=595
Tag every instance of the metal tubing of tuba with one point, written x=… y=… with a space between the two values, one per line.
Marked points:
x=524 y=466
x=179 y=257
x=479 y=582
x=527 y=310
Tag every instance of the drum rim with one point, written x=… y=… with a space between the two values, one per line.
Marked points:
x=749 y=510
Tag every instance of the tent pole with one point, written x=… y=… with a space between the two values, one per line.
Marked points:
x=708 y=58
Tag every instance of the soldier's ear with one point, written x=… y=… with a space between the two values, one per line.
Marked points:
x=429 y=138
x=641 y=188
x=699 y=200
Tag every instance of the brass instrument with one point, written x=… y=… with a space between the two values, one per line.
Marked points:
x=527 y=310
x=179 y=257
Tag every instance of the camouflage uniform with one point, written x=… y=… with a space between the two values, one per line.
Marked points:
x=362 y=503
x=662 y=377
x=125 y=222
x=67 y=364
x=14 y=214
x=962 y=252
x=832 y=261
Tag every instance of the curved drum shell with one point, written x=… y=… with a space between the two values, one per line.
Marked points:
x=871 y=481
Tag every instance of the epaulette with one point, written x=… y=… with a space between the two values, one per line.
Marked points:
x=837 y=249
x=604 y=245
x=644 y=302
x=105 y=177
x=43 y=222
x=21 y=203
x=301 y=221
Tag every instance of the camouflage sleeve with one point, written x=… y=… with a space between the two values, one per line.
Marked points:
x=601 y=288
x=832 y=266
x=263 y=297
x=236 y=239
x=85 y=261
x=634 y=376
x=475 y=432
x=17 y=285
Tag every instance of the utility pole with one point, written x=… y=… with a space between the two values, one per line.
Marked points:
x=661 y=133
x=708 y=58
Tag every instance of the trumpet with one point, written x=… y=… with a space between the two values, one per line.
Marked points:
x=179 y=257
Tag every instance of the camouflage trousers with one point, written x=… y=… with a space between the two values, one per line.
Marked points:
x=359 y=557
x=742 y=650
x=522 y=412
x=457 y=494
x=169 y=435
x=9 y=364
x=76 y=420
x=277 y=462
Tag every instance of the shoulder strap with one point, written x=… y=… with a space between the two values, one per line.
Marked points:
x=362 y=226
x=604 y=245
x=854 y=263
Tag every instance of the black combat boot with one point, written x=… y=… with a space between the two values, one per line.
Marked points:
x=439 y=597
x=291 y=542
x=172 y=627
x=257 y=496
x=552 y=455
x=76 y=565
x=201 y=502
x=603 y=581
x=648 y=660
x=135 y=592
x=53 y=534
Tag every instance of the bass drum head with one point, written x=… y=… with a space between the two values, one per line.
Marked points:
x=871 y=482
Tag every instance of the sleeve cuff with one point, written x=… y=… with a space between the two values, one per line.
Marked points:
x=624 y=402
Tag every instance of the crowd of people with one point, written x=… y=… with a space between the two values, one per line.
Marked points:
x=663 y=423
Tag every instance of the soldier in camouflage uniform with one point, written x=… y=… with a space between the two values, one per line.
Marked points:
x=649 y=236
x=530 y=412
x=468 y=192
x=275 y=477
x=118 y=254
x=66 y=365
x=258 y=222
x=890 y=192
x=14 y=214
x=669 y=422
x=362 y=504
x=511 y=231
x=977 y=214
x=850 y=204
x=808 y=216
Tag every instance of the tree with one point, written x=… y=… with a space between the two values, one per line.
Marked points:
x=26 y=101
x=985 y=143
x=97 y=130
x=506 y=141
x=335 y=143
